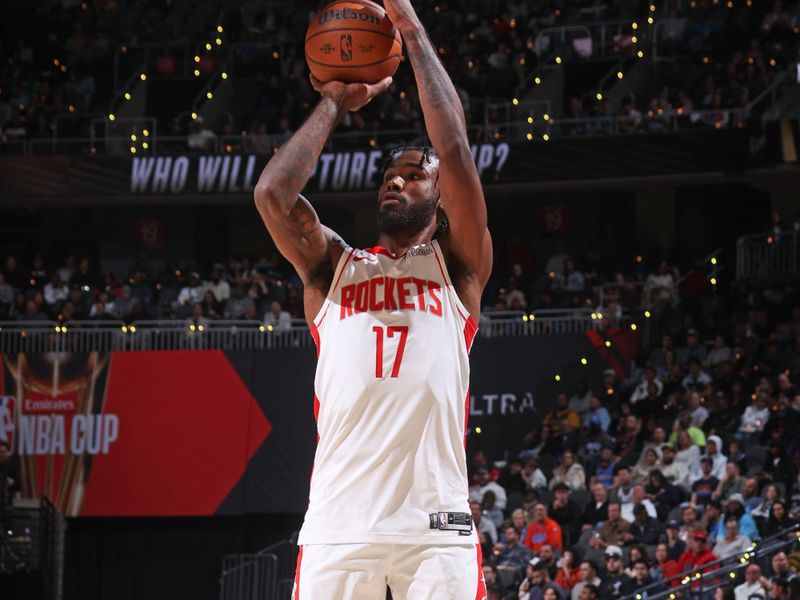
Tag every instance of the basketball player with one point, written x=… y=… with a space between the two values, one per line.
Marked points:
x=393 y=326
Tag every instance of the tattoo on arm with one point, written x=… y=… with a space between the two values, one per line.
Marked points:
x=435 y=88
x=290 y=169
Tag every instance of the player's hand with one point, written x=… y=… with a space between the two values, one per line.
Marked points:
x=350 y=96
x=401 y=13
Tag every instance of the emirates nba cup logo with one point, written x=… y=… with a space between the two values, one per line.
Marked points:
x=52 y=417
x=346 y=47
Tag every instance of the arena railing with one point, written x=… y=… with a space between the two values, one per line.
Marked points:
x=696 y=581
x=768 y=255
x=107 y=336
x=248 y=577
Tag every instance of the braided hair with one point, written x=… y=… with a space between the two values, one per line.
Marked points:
x=429 y=157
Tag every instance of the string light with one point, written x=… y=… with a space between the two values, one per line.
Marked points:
x=584 y=362
x=713 y=260
x=530 y=119
x=546 y=137
x=529 y=135
x=478 y=430
x=111 y=117
x=219 y=28
x=608 y=343
x=224 y=75
x=143 y=77
x=127 y=95
x=537 y=80
x=557 y=377
x=633 y=326
x=558 y=60
x=515 y=101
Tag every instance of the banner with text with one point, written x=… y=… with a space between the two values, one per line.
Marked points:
x=208 y=432
x=190 y=174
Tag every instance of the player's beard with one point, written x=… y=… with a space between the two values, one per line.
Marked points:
x=408 y=218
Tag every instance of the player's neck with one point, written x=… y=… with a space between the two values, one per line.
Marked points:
x=400 y=243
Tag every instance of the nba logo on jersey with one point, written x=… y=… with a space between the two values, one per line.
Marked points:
x=7 y=420
x=442 y=520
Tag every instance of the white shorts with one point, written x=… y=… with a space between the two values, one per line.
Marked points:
x=362 y=572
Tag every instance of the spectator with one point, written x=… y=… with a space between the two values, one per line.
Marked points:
x=562 y=411
x=735 y=508
x=484 y=483
x=688 y=454
x=675 y=545
x=494 y=589
x=675 y=472
x=192 y=293
x=603 y=471
x=644 y=529
x=714 y=454
x=641 y=578
x=611 y=533
x=218 y=286
x=622 y=491
x=537 y=583
x=512 y=556
x=533 y=476
x=778 y=466
x=755 y=584
x=55 y=292
x=648 y=463
x=616 y=581
x=547 y=560
x=697 y=381
x=733 y=543
x=666 y=567
x=488 y=508
x=698 y=554
x=569 y=472
x=33 y=312
x=704 y=486
x=580 y=401
x=769 y=495
x=483 y=525
x=565 y=512
x=650 y=376
x=589 y=579
x=542 y=530
x=750 y=493
x=692 y=349
x=596 y=511
x=597 y=414
x=238 y=303
x=719 y=354
x=778 y=520
x=202 y=138
x=782 y=570
x=731 y=483
x=569 y=574
x=662 y=494
x=754 y=419
x=280 y=320
x=638 y=497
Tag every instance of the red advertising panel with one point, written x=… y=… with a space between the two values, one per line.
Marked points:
x=130 y=433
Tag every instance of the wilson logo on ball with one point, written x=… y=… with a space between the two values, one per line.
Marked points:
x=346 y=47
x=347 y=14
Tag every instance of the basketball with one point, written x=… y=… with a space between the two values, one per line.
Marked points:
x=352 y=41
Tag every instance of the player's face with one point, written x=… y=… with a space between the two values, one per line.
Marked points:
x=409 y=194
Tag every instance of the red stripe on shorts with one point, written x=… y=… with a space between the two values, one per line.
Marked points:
x=480 y=594
x=296 y=591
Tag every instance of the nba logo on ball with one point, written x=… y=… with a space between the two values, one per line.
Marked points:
x=346 y=47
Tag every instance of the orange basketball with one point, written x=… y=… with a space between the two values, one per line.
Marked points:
x=352 y=41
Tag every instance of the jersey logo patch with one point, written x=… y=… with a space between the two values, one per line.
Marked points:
x=420 y=251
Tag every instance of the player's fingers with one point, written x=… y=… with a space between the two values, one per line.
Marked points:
x=315 y=83
x=380 y=87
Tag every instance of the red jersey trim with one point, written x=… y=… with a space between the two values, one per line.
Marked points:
x=385 y=252
x=337 y=278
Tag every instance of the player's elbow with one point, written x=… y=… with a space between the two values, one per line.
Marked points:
x=266 y=196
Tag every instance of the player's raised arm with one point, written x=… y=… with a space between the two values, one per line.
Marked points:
x=459 y=184
x=291 y=220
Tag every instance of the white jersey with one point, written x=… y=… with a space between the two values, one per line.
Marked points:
x=391 y=395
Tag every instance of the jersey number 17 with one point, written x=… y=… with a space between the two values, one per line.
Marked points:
x=401 y=346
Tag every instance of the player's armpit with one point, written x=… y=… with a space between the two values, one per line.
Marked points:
x=463 y=202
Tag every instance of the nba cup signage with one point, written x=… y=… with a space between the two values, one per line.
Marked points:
x=52 y=418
